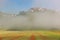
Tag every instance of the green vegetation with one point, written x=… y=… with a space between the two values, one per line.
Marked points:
x=30 y=35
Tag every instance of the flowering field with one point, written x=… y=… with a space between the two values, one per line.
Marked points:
x=29 y=35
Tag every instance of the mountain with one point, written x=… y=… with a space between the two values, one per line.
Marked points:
x=36 y=10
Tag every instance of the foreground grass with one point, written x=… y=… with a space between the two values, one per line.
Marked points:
x=29 y=35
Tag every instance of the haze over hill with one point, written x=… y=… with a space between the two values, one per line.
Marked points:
x=34 y=18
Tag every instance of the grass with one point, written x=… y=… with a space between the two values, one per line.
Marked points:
x=29 y=35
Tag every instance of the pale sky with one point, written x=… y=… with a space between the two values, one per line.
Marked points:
x=14 y=6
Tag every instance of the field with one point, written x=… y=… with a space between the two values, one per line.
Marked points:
x=29 y=35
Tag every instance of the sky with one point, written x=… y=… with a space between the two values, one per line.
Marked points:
x=14 y=6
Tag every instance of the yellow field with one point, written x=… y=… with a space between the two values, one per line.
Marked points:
x=41 y=34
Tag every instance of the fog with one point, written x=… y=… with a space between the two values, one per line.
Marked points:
x=36 y=20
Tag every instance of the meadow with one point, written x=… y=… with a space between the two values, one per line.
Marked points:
x=29 y=35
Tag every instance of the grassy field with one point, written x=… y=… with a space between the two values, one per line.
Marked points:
x=29 y=35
